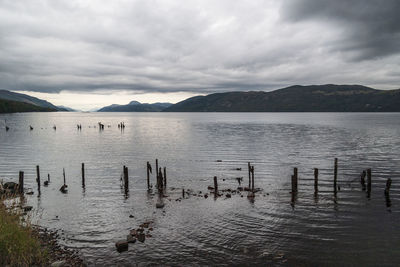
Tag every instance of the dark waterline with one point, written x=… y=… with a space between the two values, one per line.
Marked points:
x=350 y=229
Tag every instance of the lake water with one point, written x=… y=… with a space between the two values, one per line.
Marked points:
x=349 y=229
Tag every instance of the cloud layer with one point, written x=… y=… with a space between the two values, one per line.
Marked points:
x=199 y=46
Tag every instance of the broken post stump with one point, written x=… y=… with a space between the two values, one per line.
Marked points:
x=215 y=186
x=21 y=182
x=315 y=179
x=83 y=174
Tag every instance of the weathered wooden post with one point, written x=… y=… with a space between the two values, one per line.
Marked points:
x=252 y=179
x=157 y=171
x=388 y=184
x=165 y=176
x=160 y=179
x=315 y=179
x=295 y=179
x=48 y=177
x=126 y=179
x=369 y=180
x=335 y=176
x=148 y=175
x=215 y=186
x=183 y=192
x=64 y=176
x=83 y=174
x=38 y=177
x=21 y=182
x=249 y=169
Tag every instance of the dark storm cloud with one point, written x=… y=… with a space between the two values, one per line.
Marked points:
x=369 y=29
x=199 y=46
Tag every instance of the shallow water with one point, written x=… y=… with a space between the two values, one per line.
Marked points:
x=349 y=229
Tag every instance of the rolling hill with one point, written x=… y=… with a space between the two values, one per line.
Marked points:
x=135 y=106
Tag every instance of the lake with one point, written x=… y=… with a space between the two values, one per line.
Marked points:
x=347 y=229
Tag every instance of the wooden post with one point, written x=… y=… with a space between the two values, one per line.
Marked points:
x=48 y=177
x=38 y=177
x=183 y=192
x=369 y=180
x=64 y=176
x=249 y=168
x=160 y=179
x=335 y=176
x=157 y=171
x=126 y=179
x=21 y=182
x=252 y=179
x=295 y=179
x=165 y=176
x=388 y=184
x=315 y=179
x=362 y=179
x=215 y=186
x=148 y=175
x=83 y=174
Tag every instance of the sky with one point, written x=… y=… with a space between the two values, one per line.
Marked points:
x=87 y=54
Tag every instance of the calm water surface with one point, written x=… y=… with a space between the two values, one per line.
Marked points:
x=349 y=229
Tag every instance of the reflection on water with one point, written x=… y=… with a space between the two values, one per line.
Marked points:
x=277 y=227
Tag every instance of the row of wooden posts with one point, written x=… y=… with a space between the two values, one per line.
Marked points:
x=161 y=181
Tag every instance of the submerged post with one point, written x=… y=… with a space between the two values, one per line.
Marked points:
x=315 y=179
x=388 y=184
x=38 y=177
x=21 y=182
x=165 y=176
x=335 y=176
x=215 y=186
x=249 y=169
x=252 y=179
x=83 y=174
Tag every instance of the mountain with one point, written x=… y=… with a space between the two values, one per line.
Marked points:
x=64 y=108
x=9 y=106
x=135 y=106
x=7 y=95
x=313 y=98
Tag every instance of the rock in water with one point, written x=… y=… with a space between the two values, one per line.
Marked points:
x=122 y=245
x=160 y=205
x=141 y=237
x=130 y=239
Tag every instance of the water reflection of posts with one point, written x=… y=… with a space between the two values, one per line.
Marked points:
x=38 y=178
x=362 y=179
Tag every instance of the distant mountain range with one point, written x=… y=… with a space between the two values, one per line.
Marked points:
x=16 y=102
x=314 y=98
x=135 y=106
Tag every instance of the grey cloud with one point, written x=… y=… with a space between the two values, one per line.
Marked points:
x=368 y=29
x=195 y=46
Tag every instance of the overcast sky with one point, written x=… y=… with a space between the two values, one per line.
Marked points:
x=120 y=50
